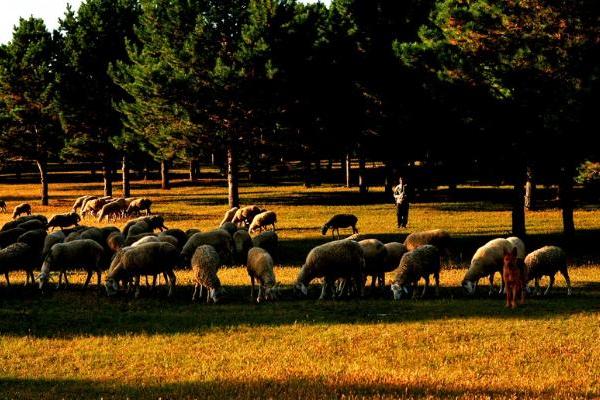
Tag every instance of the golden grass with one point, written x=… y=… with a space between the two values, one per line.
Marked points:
x=80 y=344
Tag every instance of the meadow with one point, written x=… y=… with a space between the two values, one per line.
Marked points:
x=77 y=344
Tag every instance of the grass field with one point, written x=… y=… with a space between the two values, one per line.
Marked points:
x=79 y=344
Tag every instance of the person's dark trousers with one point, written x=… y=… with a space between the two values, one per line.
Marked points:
x=402 y=214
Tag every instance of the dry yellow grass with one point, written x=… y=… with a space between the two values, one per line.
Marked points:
x=79 y=344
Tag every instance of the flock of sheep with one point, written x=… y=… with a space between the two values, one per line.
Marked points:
x=145 y=247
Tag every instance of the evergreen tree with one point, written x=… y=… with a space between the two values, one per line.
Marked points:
x=28 y=120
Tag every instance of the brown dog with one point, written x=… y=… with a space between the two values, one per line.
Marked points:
x=513 y=279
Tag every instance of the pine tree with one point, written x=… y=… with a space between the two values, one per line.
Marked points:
x=28 y=121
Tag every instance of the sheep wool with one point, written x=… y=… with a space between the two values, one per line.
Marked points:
x=269 y=241
x=83 y=253
x=242 y=243
x=19 y=256
x=205 y=264
x=263 y=220
x=338 y=259
x=436 y=237
x=414 y=265
x=228 y=217
x=393 y=255
x=260 y=267
x=547 y=261
x=219 y=239
x=486 y=261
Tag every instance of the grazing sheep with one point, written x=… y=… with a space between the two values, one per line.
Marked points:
x=393 y=255
x=84 y=253
x=242 y=243
x=205 y=264
x=136 y=206
x=93 y=207
x=3 y=206
x=64 y=220
x=144 y=240
x=547 y=261
x=436 y=237
x=228 y=217
x=414 y=265
x=15 y=223
x=263 y=220
x=35 y=239
x=340 y=259
x=177 y=234
x=260 y=267
x=340 y=221
x=32 y=224
x=10 y=236
x=84 y=202
x=107 y=230
x=51 y=240
x=269 y=241
x=230 y=227
x=74 y=235
x=20 y=209
x=147 y=259
x=219 y=239
x=114 y=209
x=115 y=241
x=169 y=239
x=245 y=215
x=486 y=261
x=375 y=253
x=80 y=201
x=19 y=256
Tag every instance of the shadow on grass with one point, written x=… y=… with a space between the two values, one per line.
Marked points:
x=74 y=311
x=297 y=388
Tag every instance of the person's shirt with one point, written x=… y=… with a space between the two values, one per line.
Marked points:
x=401 y=194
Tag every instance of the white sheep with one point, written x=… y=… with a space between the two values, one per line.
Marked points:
x=340 y=259
x=260 y=267
x=228 y=217
x=205 y=264
x=263 y=220
x=486 y=261
x=375 y=253
x=547 y=261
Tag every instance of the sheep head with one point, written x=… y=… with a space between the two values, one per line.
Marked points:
x=399 y=291
x=112 y=286
x=469 y=286
x=300 y=289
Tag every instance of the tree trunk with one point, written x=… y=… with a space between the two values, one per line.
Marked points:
x=518 y=207
x=194 y=169
x=362 y=179
x=232 y=176
x=165 y=183
x=348 y=170
x=318 y=176
x=125 y=175
x=307 y=172
x=389 y=179
x=329 y=165
x=530 y=190
x=565 y=197
x=43 y=167
x=107 y=178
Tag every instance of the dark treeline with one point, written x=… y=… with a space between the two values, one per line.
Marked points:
x=474 y=88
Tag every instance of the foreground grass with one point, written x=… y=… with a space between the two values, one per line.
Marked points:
x=77 y=344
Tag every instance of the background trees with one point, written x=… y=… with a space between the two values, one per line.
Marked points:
x=28 y=118
x=493 y=92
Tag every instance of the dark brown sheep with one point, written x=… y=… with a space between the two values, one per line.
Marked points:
x=20 y=209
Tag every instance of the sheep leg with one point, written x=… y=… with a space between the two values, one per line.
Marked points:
x=373 y=281
x=436 y=277
x=99 y=276
x=194 y=296
x=325 y=288
x=7 y=280
x=89 y=277
x=252 y=287
x=342 y=288
x=425 y=287
x=172 y=280
x=550 y=284
x=136 y=282
x=260 y=293
x=537 y=286
x=491 y=283
x=66 y=279
x=147 y=283
x=565 y=274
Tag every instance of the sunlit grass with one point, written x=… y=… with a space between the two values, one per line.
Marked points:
x=76 y=344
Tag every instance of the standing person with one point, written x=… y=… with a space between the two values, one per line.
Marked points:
x=402 y=202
